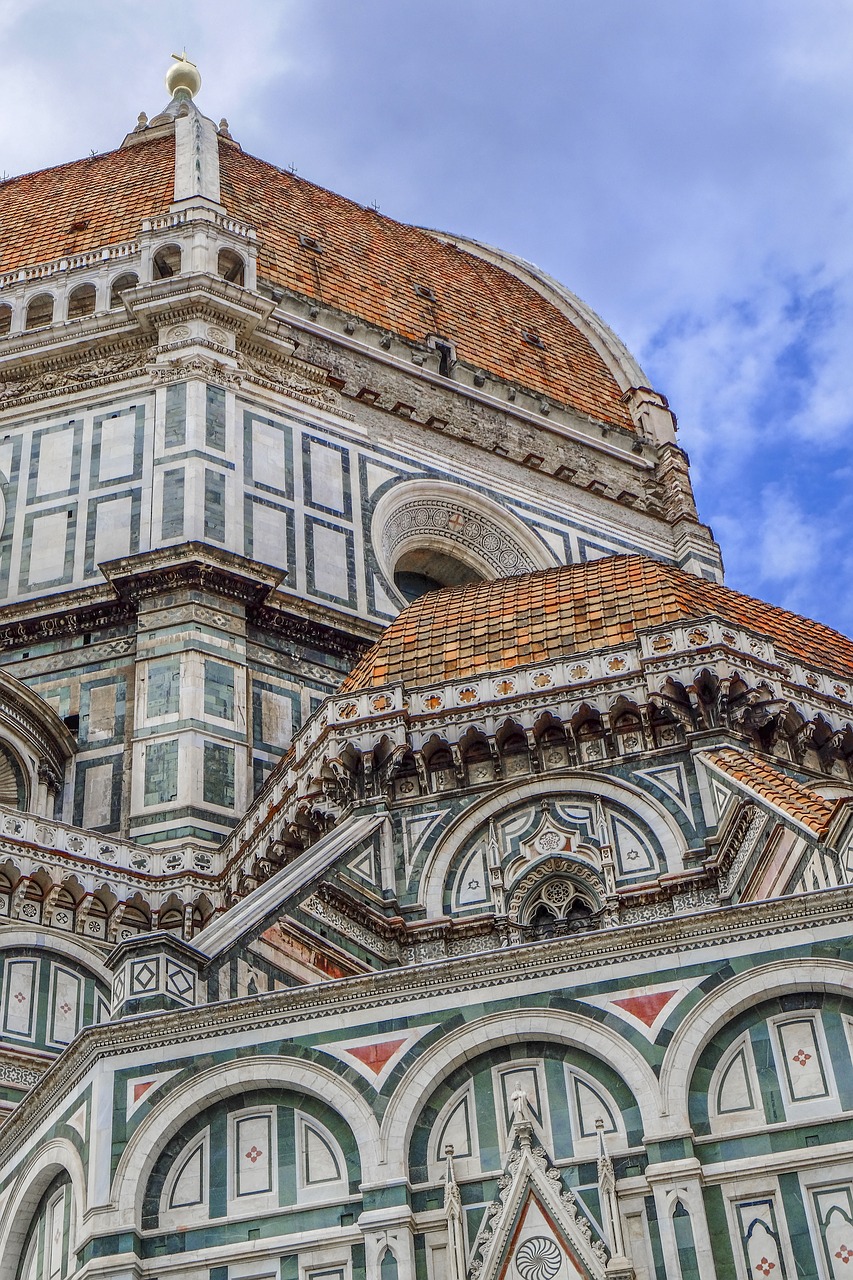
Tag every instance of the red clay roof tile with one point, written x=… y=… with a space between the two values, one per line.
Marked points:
x=84 y=205
x=369 y=267
x=580 y=608
x=793 y=798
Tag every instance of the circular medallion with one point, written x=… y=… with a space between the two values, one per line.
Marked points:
x=538 y=1259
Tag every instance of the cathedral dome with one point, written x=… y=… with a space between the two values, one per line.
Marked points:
x=498 y=316
x=492 y=627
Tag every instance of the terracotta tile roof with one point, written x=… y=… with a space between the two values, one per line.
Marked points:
x=793 y=798
x=369 y=268
x=493 y=626
x=84 y=205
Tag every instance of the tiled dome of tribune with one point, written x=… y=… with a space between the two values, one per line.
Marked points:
x=492 y=627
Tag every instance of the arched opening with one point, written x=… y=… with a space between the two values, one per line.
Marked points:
x=512 y=744
x=13 y=788
x=231 y=266
x=81 y=301
x=96 y=917
x=477 y=757
x=136 y=918
x=40 y=312
x=5 y=319
x=167 y=262
x=423 y=569
x=557 y=909
x=172 y=920
x=62 y=913
x=440 y=765
x=47 y=1252
x=32 y=906
x=128 y=281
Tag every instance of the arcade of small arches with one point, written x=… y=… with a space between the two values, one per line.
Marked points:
x=40 y=309
x=99 y=914
x=284 y=1135
x=470 y=754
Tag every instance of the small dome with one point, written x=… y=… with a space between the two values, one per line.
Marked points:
x=492 y=627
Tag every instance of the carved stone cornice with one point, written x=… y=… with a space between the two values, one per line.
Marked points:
x=74 y=370
x=291 y=625
x=200 y=296
x=195 y=366
x=191 y=566
x=295 y=378
x=76 y=612
x=564 y=961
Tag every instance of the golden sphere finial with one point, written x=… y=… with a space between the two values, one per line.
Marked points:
x=183 y=78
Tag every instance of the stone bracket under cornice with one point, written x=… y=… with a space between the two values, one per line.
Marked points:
x=165 y=303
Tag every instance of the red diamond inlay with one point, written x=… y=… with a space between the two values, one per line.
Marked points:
x=253 y=1154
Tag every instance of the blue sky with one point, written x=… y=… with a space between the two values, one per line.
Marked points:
x=687 y=168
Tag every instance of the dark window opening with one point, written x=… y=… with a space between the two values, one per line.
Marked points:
x=532 y=338
x=231 y=267
x=424 y=569
x=40 y=312
x=167 y=262
x=128 y=281
x=445 y=358
x=81 y=301
x=5 y=319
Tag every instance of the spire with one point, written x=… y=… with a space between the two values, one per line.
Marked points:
x=619 y=1265
x=196 y=143
x=453 y=1214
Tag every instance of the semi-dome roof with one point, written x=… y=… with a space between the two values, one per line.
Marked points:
x=491 y=627
x=398 y=278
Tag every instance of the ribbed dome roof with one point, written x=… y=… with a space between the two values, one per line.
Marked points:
x=398 y=278
x=491 y=627
x=371 y=266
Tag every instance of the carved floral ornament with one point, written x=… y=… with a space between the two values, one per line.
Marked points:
x=452 y=522
x=295 y=378
x=39 y=382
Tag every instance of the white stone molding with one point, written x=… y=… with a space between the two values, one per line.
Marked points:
x=724 y=1003
x=226 y=1080
x=60 y=944
x=683 y=1184
x=196 y=156
x=653 y=814
x=57 y=1156
x=568 y=1029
